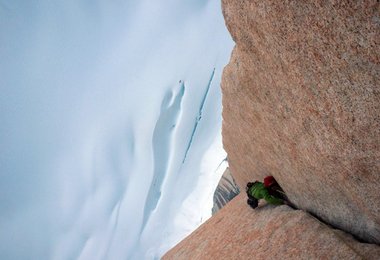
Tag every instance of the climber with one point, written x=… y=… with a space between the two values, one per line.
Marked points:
x=274 y=188
x=269 y=190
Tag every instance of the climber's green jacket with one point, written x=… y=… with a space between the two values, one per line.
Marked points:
x=258 y=191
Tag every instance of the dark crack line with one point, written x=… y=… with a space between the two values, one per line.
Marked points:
x=199 y=116
x=220 y=164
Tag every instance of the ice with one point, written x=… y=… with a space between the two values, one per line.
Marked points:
x=110 y=129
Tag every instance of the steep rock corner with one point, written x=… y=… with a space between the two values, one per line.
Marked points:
x=301 y=102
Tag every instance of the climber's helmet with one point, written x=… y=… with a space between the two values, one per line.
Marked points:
x=269 y=181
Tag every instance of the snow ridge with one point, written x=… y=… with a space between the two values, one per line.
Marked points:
x=162 y=139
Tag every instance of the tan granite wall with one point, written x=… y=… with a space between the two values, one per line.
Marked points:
x=239 y=232
x=301 y=102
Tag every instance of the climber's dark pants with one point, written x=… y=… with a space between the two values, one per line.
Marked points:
x=253 y=202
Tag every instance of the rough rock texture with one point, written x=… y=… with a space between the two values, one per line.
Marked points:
x=227 y=190
x=301 y=102
x=238 y=232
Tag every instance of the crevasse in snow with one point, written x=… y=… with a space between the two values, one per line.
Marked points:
x=110 y=125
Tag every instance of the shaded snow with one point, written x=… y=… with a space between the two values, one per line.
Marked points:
x=110 y=125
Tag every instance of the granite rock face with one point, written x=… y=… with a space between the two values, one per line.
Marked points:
x=239 y=232
x=301 y=102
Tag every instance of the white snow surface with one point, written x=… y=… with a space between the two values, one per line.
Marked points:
x=110 y=125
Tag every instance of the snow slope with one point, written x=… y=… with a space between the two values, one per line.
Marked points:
x=110 y=125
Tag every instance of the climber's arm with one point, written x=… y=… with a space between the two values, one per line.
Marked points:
x=273 y=200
